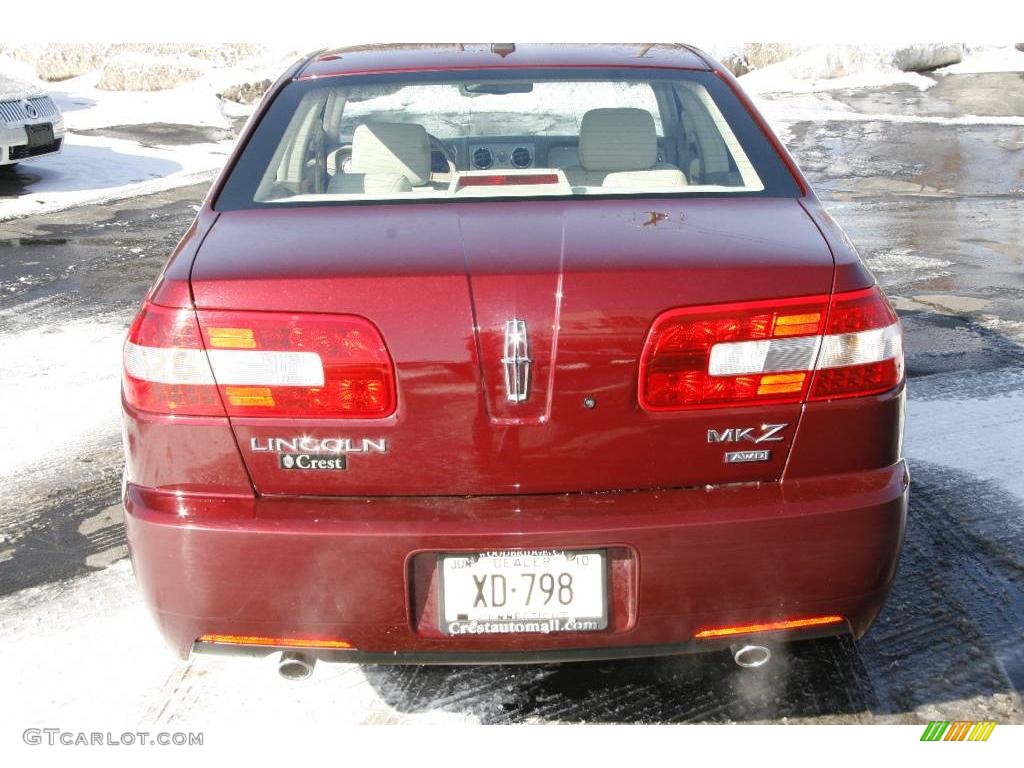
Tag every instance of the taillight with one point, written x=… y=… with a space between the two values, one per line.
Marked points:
x=776 y=351
x=257 y=364
x=165 y=368
x=269 y=363
x=862 y=351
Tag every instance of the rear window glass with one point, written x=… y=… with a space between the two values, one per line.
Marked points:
x=503 y=134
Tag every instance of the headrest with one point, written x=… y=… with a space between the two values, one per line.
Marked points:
x=392 y=148
x=618 y=140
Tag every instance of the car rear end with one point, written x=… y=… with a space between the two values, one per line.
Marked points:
x=653 y=405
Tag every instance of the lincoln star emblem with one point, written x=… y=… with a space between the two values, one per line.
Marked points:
x=30 y=110
x=516 y=361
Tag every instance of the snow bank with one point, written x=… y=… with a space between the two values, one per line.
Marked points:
x=845 y=66
x=146 y=72
x=60 y=62
x=789 y=61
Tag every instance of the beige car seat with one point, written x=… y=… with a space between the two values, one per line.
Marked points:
x=619 y=149
x=386 y=158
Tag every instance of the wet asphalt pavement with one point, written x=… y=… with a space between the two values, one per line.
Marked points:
x=936 y=207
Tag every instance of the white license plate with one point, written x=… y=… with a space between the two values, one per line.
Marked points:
x=516 y=592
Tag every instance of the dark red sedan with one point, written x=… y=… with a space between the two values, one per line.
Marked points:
x=509 y=353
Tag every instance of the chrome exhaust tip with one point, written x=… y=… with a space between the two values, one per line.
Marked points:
x=750 y=656
x=295 y=666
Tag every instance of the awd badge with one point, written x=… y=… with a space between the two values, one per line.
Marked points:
x=741 y=457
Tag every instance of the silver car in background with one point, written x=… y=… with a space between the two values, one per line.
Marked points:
x=31 y=125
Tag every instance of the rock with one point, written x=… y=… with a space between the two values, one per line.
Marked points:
x=735 y=63
x=246 y=93
x=730 y=56
x=147 y=72
x=924 y=58
x=1019 y=46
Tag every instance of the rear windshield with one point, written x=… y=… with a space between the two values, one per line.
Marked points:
x=504 y=134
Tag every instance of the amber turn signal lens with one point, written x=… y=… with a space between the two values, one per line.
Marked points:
x=232 y=338
x=806 y=324
x=779 y=383
x=260 y=397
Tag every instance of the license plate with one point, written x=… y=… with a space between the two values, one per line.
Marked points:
x=39 y=135
x=523 y=592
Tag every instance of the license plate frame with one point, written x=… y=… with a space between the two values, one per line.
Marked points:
x=39 y=135
x=457 y=619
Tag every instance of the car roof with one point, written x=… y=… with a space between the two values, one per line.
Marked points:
x=413 y=57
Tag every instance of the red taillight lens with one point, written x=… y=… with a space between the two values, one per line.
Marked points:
x=766 y=352
x=257 y=364
x=731 y=353
x=165 y=367
x=299 y=364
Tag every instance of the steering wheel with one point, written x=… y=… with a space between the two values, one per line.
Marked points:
x=344 y=153
x=436 y=144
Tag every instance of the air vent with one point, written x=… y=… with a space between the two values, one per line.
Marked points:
x=482 y=158
x=521 y=157
x=438 y=162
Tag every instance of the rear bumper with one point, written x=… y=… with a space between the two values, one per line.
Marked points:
x=362 y=570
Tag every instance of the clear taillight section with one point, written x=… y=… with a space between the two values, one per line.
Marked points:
x=257 y=364
x=862 y=351
x=779 y=351
x=165 y=368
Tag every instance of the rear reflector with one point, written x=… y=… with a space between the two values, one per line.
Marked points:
x=257 y=364
x=772 y=626
x=771 y=352
x=275 y=642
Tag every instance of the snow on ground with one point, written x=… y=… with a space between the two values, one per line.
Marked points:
x=970 y=426
x=85 y=106
x=989 y=58
x=93 y=169
x=58 y=384
x=89 y=657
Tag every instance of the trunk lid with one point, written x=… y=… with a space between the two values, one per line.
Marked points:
x=441 y=282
